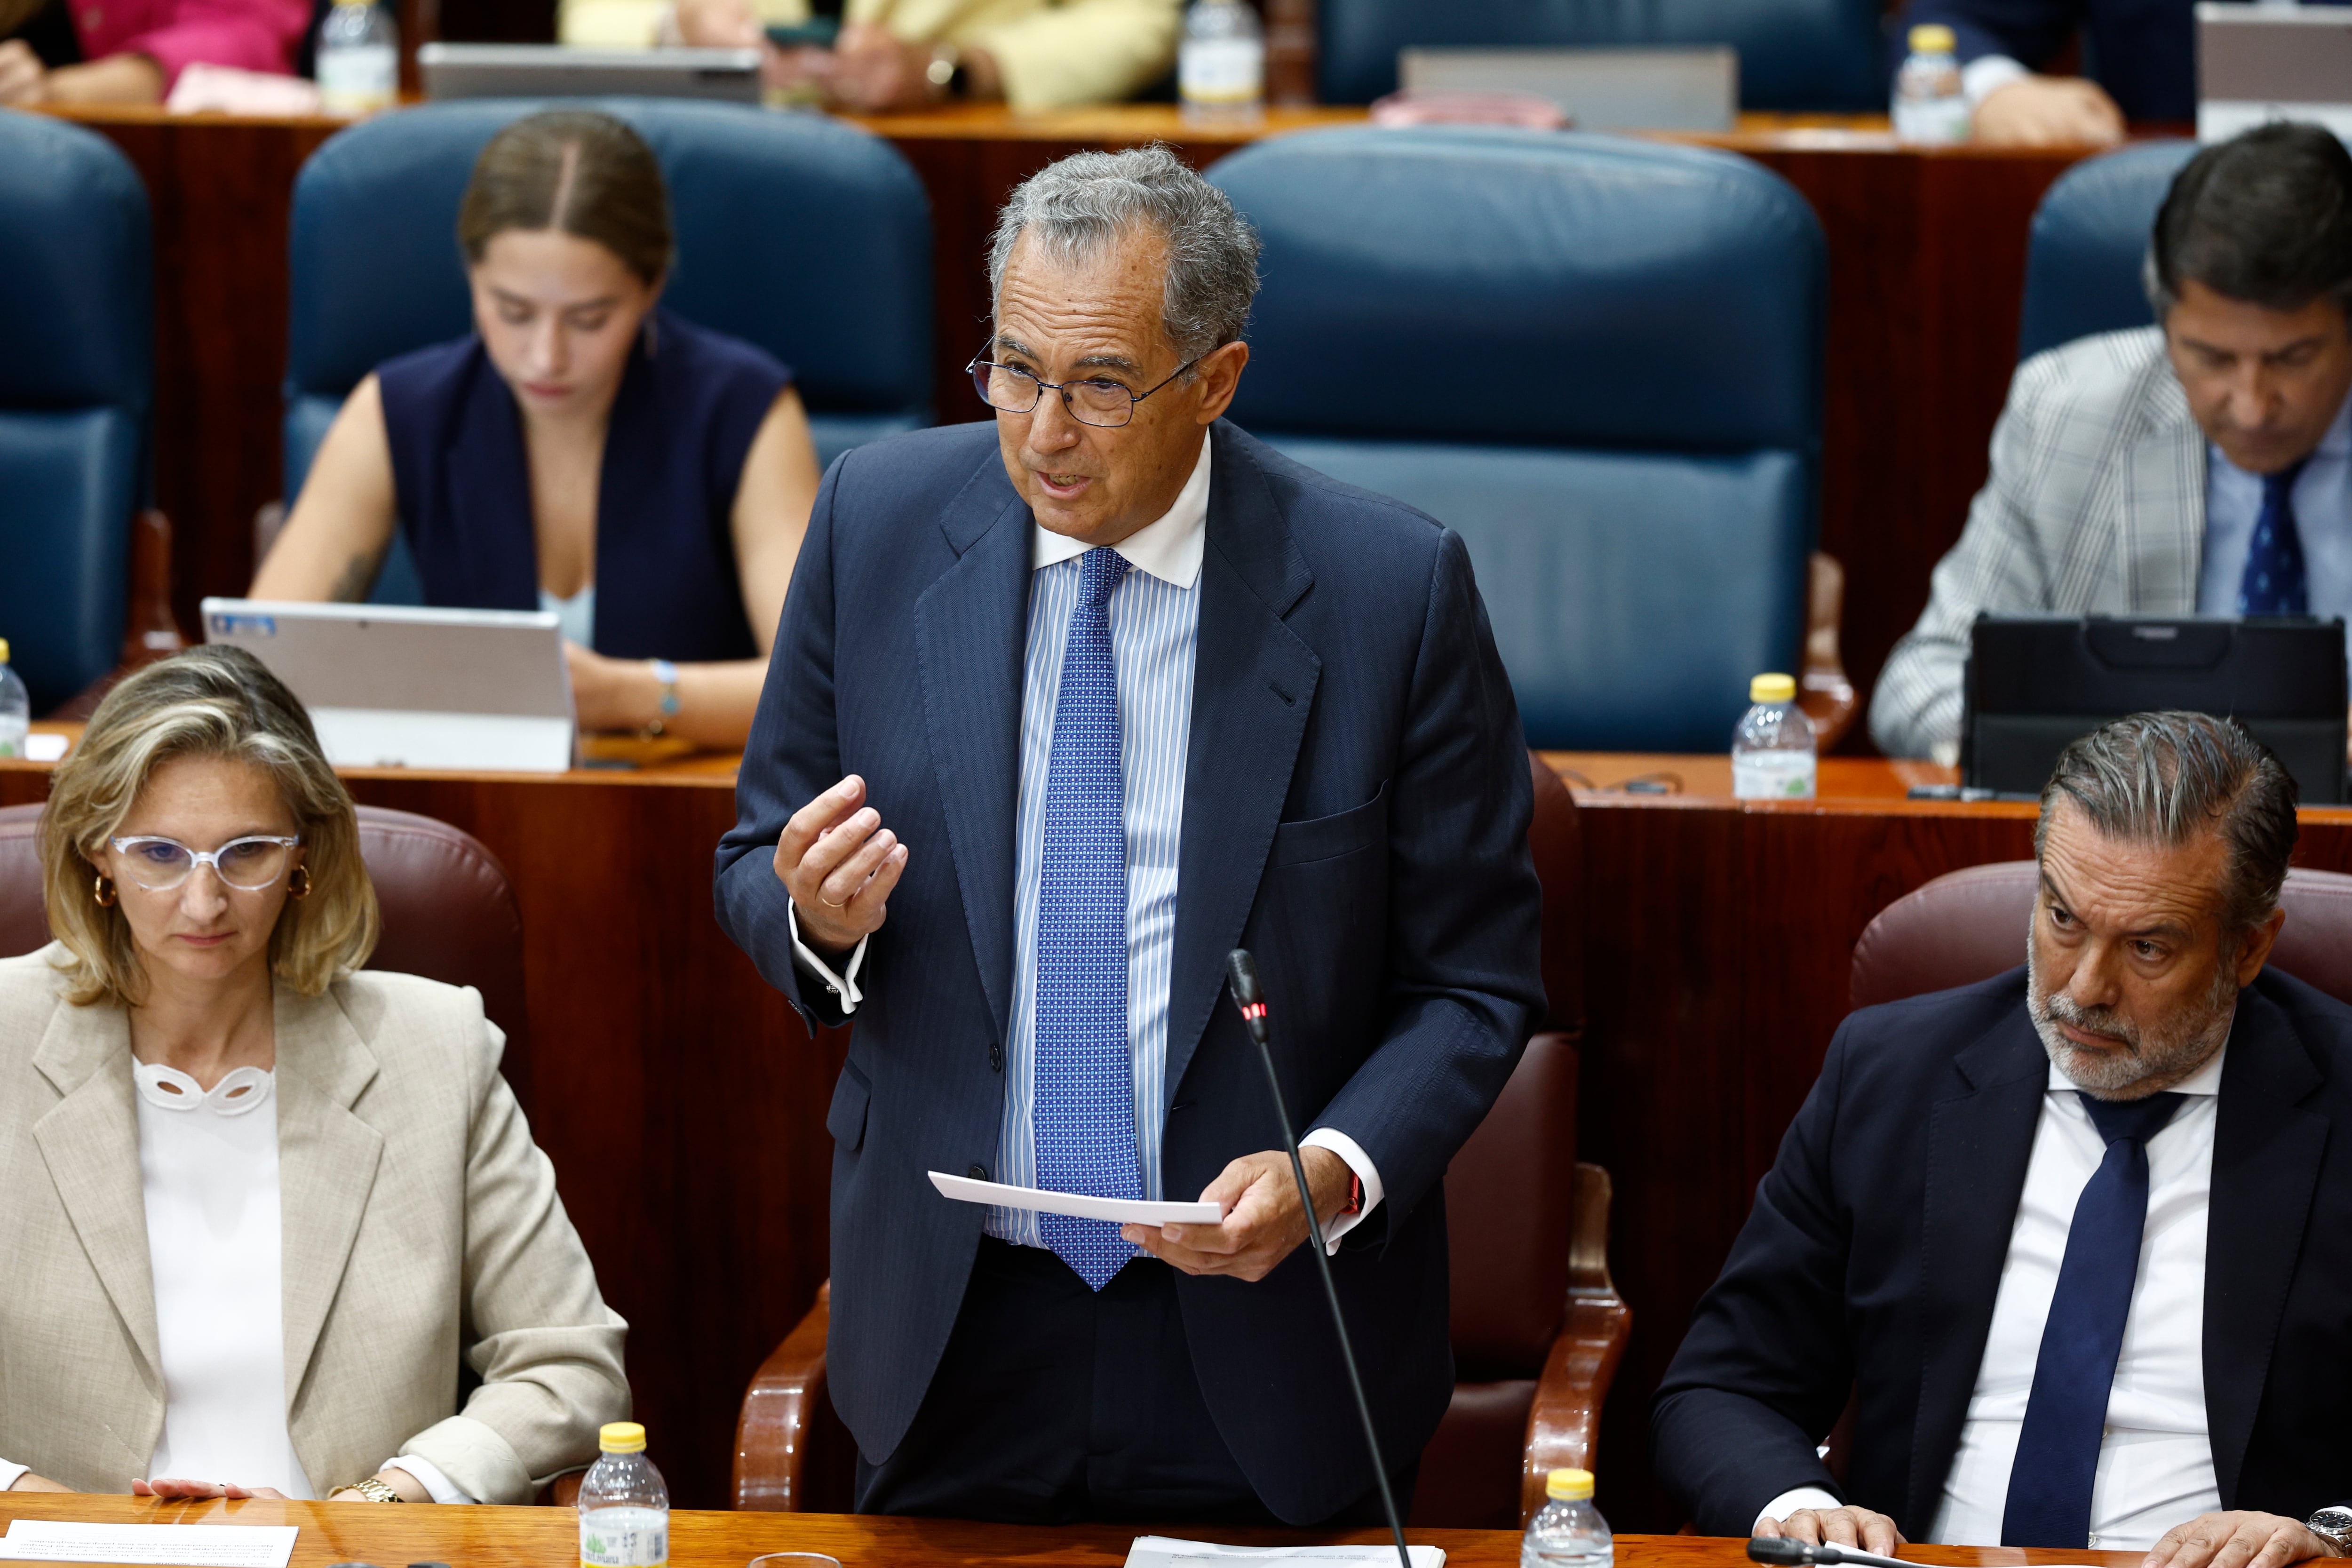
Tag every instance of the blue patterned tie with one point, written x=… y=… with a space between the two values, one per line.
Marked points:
x=2275 y=583
x=2066 y=1415
x=1084 y=1109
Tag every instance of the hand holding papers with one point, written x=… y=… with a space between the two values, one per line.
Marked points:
x=1118 y=1211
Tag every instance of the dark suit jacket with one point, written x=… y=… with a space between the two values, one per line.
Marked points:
x=2143 y=52
x=1875 y=1251
x=1356 y=812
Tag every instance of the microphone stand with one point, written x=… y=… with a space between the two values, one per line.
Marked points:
x=1241 y=972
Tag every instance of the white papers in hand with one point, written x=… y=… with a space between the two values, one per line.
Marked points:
x=1118 y=1211
x=1161 y=1552
x=198 y=1545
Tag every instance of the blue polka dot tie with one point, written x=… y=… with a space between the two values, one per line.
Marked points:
x=2275 y=582
x=2058 y=1443
x=1084 y=1109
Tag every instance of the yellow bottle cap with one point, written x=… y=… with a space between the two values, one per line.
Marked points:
x=621 y=1438
x=4 y=650
x=1772 y=689
x=1933 y=38
x=1568 y=1486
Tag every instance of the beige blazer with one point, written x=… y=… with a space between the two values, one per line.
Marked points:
x=422 y=1229
x=2095 y=506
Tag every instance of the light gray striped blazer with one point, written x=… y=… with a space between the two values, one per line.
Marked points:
x=2095 y=506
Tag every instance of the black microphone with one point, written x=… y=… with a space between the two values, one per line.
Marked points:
x=1780 y=1549
x=1241 y=972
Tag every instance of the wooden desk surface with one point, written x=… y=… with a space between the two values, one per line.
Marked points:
x=545 y=1538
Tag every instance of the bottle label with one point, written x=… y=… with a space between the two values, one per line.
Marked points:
x=1225 y=72
x=1932 y=122
x=623 y=1537
x=359 y=78
x=1772 y=776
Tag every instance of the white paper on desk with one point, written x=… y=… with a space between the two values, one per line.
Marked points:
x=1161 y=1552
x=200 y=1545
x=1118 y=1211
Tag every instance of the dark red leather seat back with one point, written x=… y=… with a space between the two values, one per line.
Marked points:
x=449 y=912
x=1970 y=925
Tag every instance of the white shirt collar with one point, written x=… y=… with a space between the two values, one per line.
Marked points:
x=2206 y=1079
x=1168 y=548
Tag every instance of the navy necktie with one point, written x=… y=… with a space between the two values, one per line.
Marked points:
x=2066 y=1415
x=2275 y=583
x=1084 y=1109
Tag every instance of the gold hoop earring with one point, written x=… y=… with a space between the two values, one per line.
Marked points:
x=297 y=882
x=101 y=888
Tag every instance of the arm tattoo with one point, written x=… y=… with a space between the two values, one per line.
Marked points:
x=358 y=576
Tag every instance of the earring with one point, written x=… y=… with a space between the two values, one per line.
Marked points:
x=298 y=884
x=101 y=888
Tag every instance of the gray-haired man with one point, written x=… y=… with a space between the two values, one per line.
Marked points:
x=1063 y=709
x=2069 y=1235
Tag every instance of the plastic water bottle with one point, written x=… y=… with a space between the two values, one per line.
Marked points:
x=1772 y=750
x=623 y=1505
x=359 y=59
x=16 y=707
x=1220 y=64
x=1570 y=1532
x=1931 y=108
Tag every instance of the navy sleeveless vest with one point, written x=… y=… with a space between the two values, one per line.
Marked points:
x=682 y=423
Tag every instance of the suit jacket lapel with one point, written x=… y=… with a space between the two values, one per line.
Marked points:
x=1979 y=1137
x=89 y=1141
x=970 y=631
x=2162 y=505
x=2266 y=1158
x=327 y=1160
x=1253 y=687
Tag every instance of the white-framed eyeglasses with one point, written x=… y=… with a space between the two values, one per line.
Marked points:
x=249 y=865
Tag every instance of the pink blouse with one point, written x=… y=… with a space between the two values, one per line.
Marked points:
x=254 y=35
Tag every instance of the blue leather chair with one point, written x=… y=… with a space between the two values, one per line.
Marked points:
x=77 y=379
x=2089 y=242
x=1597 y=360
x=795 y=232
x=1818 y=55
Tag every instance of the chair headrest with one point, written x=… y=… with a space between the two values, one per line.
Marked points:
x=804 y=235
x=1453 y=283
x=2089 y=241
x=77 y=270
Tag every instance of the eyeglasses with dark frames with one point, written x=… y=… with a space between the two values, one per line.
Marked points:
x=1095 y=400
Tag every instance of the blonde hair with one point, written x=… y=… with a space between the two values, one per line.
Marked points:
x=205 y=702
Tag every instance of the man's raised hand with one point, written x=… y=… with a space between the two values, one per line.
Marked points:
x=840 y=864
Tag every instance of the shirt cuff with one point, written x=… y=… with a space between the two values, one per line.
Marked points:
x=1789 y=1502
x=429 y=1476
x=11 y=1473
x=844 y=985
x=1348 y=1149
x=1985 y=74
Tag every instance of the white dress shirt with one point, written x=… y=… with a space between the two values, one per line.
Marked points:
x=208 y=1172
x=2323 y=519
x=2155 y=1459
x=1155 y=617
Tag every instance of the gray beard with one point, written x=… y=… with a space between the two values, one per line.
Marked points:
x=2152 y=1061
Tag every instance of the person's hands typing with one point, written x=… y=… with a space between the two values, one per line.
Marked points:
x=2047 y=111
x=840 y=864
x=1262 y=1218
x=1837 y=1527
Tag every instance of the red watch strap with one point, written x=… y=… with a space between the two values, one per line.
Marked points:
x=1355 y=1193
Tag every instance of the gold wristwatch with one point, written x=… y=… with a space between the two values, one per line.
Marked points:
x=372 y=1489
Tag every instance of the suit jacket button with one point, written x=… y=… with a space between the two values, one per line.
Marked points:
x=996 y=1058
x=978 y=1173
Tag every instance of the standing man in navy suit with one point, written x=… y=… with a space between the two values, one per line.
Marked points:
x=2144 y=52
x=1063 y=708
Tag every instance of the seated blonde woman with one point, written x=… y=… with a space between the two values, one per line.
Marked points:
x=272 y=1202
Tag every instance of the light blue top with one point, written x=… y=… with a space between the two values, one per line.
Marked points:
x=1155 y=620
x=2323 y=516
x=575 y=617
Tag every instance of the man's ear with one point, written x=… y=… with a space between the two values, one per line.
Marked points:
x=2254 y=951
x=1220 y=373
